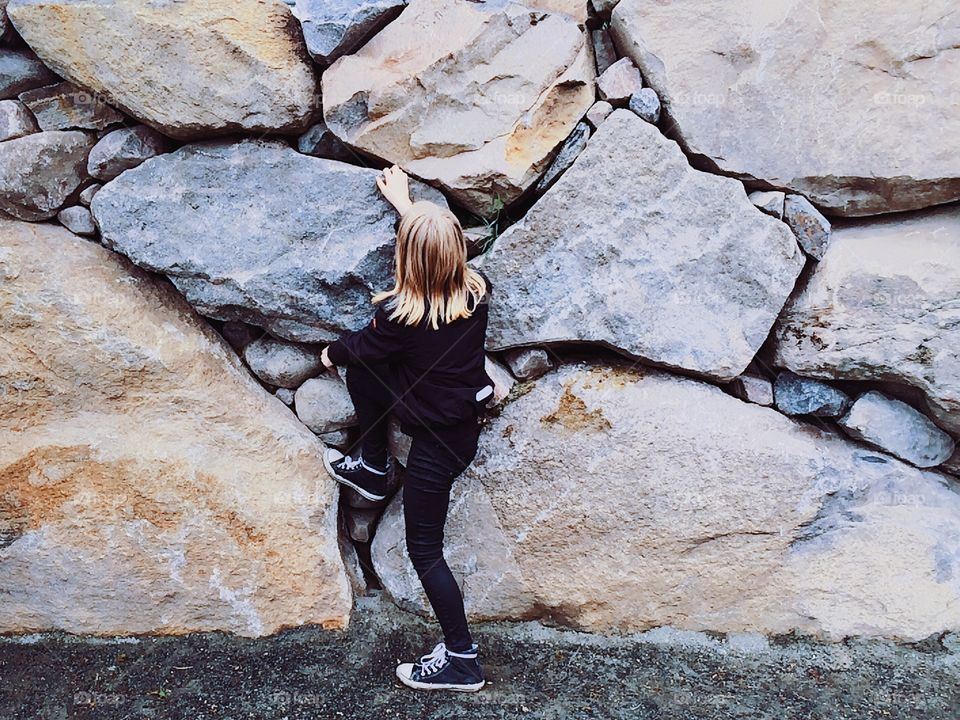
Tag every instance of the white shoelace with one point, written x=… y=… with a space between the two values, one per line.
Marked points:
x=435 y=661
x=350 y=463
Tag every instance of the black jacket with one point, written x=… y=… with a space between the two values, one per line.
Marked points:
x=437 y=376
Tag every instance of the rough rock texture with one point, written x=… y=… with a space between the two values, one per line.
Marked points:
x=795 y=395
x=898 y=428
x=753 y=389
x=124 y=149
x=15 y=120
x=319 y=141
x=577 y=9
x=333 y=28
x=619 y=82
x=603 y=49
x=528 y=363
x=769 y=201
x=65 y=106
x=21 y=70
x=834 y=101
x=78 y=220
x=282 y=364
x=503 y=381
x=571 y=147
x=882 y=305
x=323 y=238
x=598 y=112
x=87 y=194
x=189 y=68
x=607 y=243
x=646 y=105
x=150 y=486
x=811 y=228
x=323 y=405
x=472 y=97
x=704 y=513
x=40 y=173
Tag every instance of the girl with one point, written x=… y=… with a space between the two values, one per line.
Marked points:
x=422 y=359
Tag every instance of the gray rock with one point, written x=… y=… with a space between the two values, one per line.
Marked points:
x=598 y=112
x=324 y=235
x=528 y=363
x=190 y=69
x=568 y=152
x=65 y=106
x=87 y=194
x=320 y=142
x=646 y=105
x=795 y=395
x=952 y=465
x=899 y=429
x=282 y=364
x=78 y=220
x=603 y=8
x=339 y=439
x=593 y=256
x=808 y=224
x=753 y=389
x=323 y=404
x=398 y=441
x=338 y=27
x=603 y=49
x=40 y=173
x=21 y=70
x=239 y=334
x=769 y=201
x=882 y=306
x=285 y=396
x=15 y=120
x=619 y=82
x=123 y=149
x=361 y=523
x=820 y=101
x=618 y=500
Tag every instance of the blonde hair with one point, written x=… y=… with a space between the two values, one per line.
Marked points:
x=432 y=279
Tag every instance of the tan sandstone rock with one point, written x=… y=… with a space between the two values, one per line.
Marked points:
x=194 y=67
x=618 y=500
x=147 y=483
x=882 y=305
x=836 y=101
x=474 y=98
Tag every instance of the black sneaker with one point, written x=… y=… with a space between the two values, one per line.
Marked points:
x=370 y=482
x=443 y=670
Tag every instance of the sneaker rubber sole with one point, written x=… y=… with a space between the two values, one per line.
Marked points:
x=403 y=673
x=328 y=461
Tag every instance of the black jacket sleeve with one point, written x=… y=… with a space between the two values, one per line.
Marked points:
x=380 y=341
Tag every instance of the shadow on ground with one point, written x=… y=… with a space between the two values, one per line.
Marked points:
x=535 y=672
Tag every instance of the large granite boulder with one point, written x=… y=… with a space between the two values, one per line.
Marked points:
x=41 y=173
x=835 y=101
x=473 y=97
x=149 y=484
x=882 y=305
x=618 y=500
x=333 y=28
x=189 y=68
x=635 y=250
x=256 y=231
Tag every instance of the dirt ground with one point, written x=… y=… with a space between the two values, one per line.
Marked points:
x=535 y=672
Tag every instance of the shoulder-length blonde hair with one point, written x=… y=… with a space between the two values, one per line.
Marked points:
x=433 y=280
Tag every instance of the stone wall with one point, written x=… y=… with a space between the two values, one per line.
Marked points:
x=725 y=243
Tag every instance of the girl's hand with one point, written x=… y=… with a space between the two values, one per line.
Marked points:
x=395 y=187
x=325 y=359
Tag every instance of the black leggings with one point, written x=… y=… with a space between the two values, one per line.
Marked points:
x=432 y=466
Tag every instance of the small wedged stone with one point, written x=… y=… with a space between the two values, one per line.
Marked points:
x=646 y=105
x=323 y=404
x=603 y=49
x=78 y=220
x=282 y=364
x=320 y=142
x=808 y=224
x=15 y=120
x=124 y=149
x=503 y=381
x=598 y=112
x=65 y=106
x=40 y=173
x=88 y=193
x=898 y=428
x=619 y=82
x=795 y=395
x=753 y=389
x=528 y=363
x=769 y=201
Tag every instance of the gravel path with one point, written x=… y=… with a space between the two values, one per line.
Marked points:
x=536 y=672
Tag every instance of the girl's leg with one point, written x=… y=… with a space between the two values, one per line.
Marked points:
x=369 y=388
x=431 y=469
